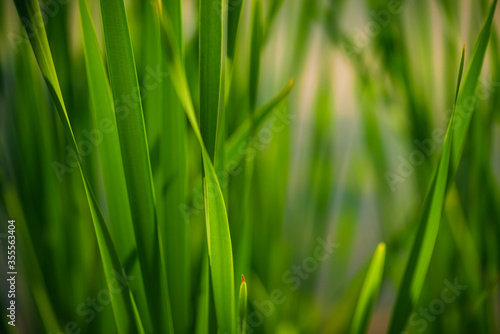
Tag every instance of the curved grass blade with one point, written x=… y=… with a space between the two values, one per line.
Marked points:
x=428 y=228
x=211 y=53
x=29 y=11
x=135 y=154
x=423 y=246
x=369 y=292
x=110 y=157
x=218 y=235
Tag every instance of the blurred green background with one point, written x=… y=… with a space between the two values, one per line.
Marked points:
x=345 y=159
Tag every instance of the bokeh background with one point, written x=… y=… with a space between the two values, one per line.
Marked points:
x=372 y=85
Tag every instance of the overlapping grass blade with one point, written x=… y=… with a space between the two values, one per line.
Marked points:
x=110 y=157
x=135 y=154
x=427 y=232
x=369 y=292
x=173 y=156
x=423 y=245
x=122 y=305
x=126 y=318
x=218 y=235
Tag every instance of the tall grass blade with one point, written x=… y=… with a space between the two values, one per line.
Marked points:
x=211 y=53
x=218 y=235
x=110 y=157
x=135 y=153
x=173 y=158
x=369 y=292
x=31 y=16
x=423 y=245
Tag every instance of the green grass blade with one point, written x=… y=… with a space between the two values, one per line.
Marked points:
x=140 y=327
x=109 y=149
x=243 y=304
x=219 y=247
x=423 y=245
x=218 y=235
x=135 y=153
x=173 y=159
x=121 y=303
x=467 y=100
x=211 y=53
x=110 y=157
x=130 y=123
x=369 y=292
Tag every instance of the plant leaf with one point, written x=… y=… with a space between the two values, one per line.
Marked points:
x=29 y=11
x=243 y=304
x=423 y=245
x=218 y=235
x=110 y=158
x=135 y=154
x=369 y=292
x=211 y=53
